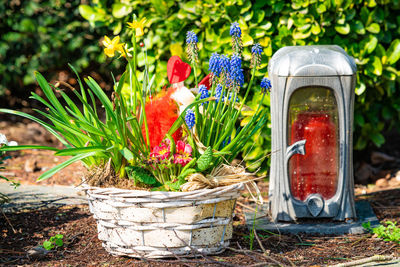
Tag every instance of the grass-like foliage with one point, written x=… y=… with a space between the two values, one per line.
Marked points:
x=390 y=232
x=124 y=140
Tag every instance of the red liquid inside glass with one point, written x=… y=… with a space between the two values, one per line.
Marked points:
x=316 y=171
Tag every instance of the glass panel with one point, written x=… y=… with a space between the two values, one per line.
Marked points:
x=313 y=116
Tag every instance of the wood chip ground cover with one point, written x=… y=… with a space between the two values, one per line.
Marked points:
x=20 y=232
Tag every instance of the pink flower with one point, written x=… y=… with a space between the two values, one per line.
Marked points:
x=160 y=152
x=183 y=153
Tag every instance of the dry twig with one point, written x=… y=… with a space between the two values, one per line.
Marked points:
x=8 y=221
x=365 y=260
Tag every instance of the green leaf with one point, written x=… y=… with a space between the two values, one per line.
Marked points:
x=139 y=174
x=359 y=119
x=393 y=53
x=259 y=16
x=377 y=138
x=343 y=29
x=265 y=26
x=386 y=113
x=360 y=88
x=127 y=154
x=370 y=44
x=48 y=245
x=315 y=29
x=373 y=28
x=90 y=13
x=80 y=150
x=48 y=127
x=247 y=40
x=361 y=144
x=61 y=166
x=321 y=8
x=58 y=242
x=359 y=27
x=301 y=35
x=120 y=10
x=24 y=147
x=190 y=7
x=376 y=66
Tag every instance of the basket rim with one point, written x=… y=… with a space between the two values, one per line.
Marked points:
x=169 y=194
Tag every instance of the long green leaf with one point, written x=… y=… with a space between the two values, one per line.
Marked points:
x=24 y=147
x=61 y=166
x=80 y=150
x=50 y=94
x=48 y=127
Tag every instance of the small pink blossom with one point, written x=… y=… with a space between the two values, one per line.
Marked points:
x=160 y=152
x=183 y=153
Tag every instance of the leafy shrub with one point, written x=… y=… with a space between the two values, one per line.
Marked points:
x=390 y=232
x=45 y=36
x=367 y=29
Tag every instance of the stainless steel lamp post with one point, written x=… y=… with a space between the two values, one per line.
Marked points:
x=312 y=103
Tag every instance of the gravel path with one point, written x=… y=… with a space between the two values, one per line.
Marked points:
x=33 y=197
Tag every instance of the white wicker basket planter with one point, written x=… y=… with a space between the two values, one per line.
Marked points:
x=163 y=224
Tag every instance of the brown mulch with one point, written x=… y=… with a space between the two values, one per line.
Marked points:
x=82 y=248
x=23 y=231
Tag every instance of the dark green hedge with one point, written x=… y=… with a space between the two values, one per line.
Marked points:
x=45 y=36
x=369 y=30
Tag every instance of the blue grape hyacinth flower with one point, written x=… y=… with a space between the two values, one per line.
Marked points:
x=190 y=118
x=192 y=49
x=204 y=93
x=265 y=84
x=219 y=94
x=214 y=65
x=236 y=34
x=256 y=52
x=236 y=74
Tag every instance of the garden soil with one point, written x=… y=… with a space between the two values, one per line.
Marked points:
x=23 y=231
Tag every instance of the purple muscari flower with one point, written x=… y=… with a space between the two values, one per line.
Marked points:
x=225 y=64
x=236 y=73
x=191 y=38
x=236 y=34
x=214 y=65
x=191 y=41
x=265 y=84
x=235 y=30
x=219 y=94
x=190 y=118
x=256 y=52
x=204 y=93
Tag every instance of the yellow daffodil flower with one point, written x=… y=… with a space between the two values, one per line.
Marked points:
x=138 y=26
x=112 y=46
x=176 y=49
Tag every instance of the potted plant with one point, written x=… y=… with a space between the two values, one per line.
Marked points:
x=160 y=180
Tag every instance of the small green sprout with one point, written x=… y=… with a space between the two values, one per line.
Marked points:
x=53 y=242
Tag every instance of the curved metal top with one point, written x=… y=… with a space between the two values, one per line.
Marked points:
x=313 y=60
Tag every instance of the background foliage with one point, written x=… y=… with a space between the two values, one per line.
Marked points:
x=367 y=29
x=43 y=35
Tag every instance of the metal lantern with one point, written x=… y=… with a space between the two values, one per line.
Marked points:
x=312 y=103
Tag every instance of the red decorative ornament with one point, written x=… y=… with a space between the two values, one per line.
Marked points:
x=161 y=113
x=177 y=70
x=206 y=81
x=141 y=44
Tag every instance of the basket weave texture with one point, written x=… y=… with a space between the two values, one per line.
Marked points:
x=160 y=224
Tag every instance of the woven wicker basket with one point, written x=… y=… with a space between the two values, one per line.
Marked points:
x=163 y=224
